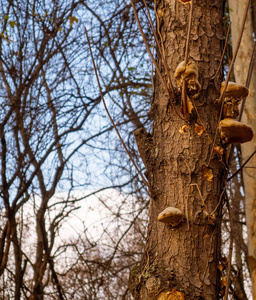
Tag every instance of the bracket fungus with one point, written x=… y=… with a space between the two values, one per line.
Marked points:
x=185 y=1
x=171 y=215
x=234 y=90
x=232 y=131
x=189 y=73
x=233 y=96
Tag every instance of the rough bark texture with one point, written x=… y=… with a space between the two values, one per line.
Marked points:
x=181 y=262
x=249 y=172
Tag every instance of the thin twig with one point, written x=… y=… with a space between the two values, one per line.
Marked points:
x=152 y=68
x=220 y=101
x=154 y=62
x=160 y=49
x=186 y=209
x=230 y=251
x=218 y=202
x=112 y=121
x=152 y=25
x=189 y=31
x=224 y=50
x=186 y=199
x=235 y=53
x=215 y=135
x=199 y=119
x=242 y=166
x=147 y=46
x=195 y=184
x=184 y=99
x=248 y=79
x=212 y=213
x=229 y=265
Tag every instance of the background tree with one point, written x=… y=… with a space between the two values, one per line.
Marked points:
x=240 y=72
x=55 y=136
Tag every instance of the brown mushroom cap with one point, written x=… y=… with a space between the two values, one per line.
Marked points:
x=171 y=215
x=232 y=131
x=180 y=71
x=234 y=90
x=189 y=73
x=189 y=70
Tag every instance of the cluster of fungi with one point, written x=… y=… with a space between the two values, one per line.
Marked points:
x=188 y=73
x=230 y=130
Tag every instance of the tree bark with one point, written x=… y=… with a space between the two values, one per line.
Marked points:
x=249 y=172
x=182 y=261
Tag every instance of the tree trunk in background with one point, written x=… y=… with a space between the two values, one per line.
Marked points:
x=249 y=117
x=181 y=262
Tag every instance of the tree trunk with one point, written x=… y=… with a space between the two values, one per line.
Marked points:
x=181 y=262
x=249 y=172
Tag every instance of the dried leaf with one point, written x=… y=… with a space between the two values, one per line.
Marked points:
x=190 y=105
x=72 y=20
x=5 y=37
x=223 y=281
x=12 y=23
x=220 y=267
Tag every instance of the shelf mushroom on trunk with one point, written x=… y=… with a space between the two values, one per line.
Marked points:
x=171 y=215
x=232 y=131
x=189 y=73
x=233 y=96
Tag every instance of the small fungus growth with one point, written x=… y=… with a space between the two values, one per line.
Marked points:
x=199 y=129
x=172 y=295
x=207 y=173
x=171 y=215
x=184 y=128
x=189 y=74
